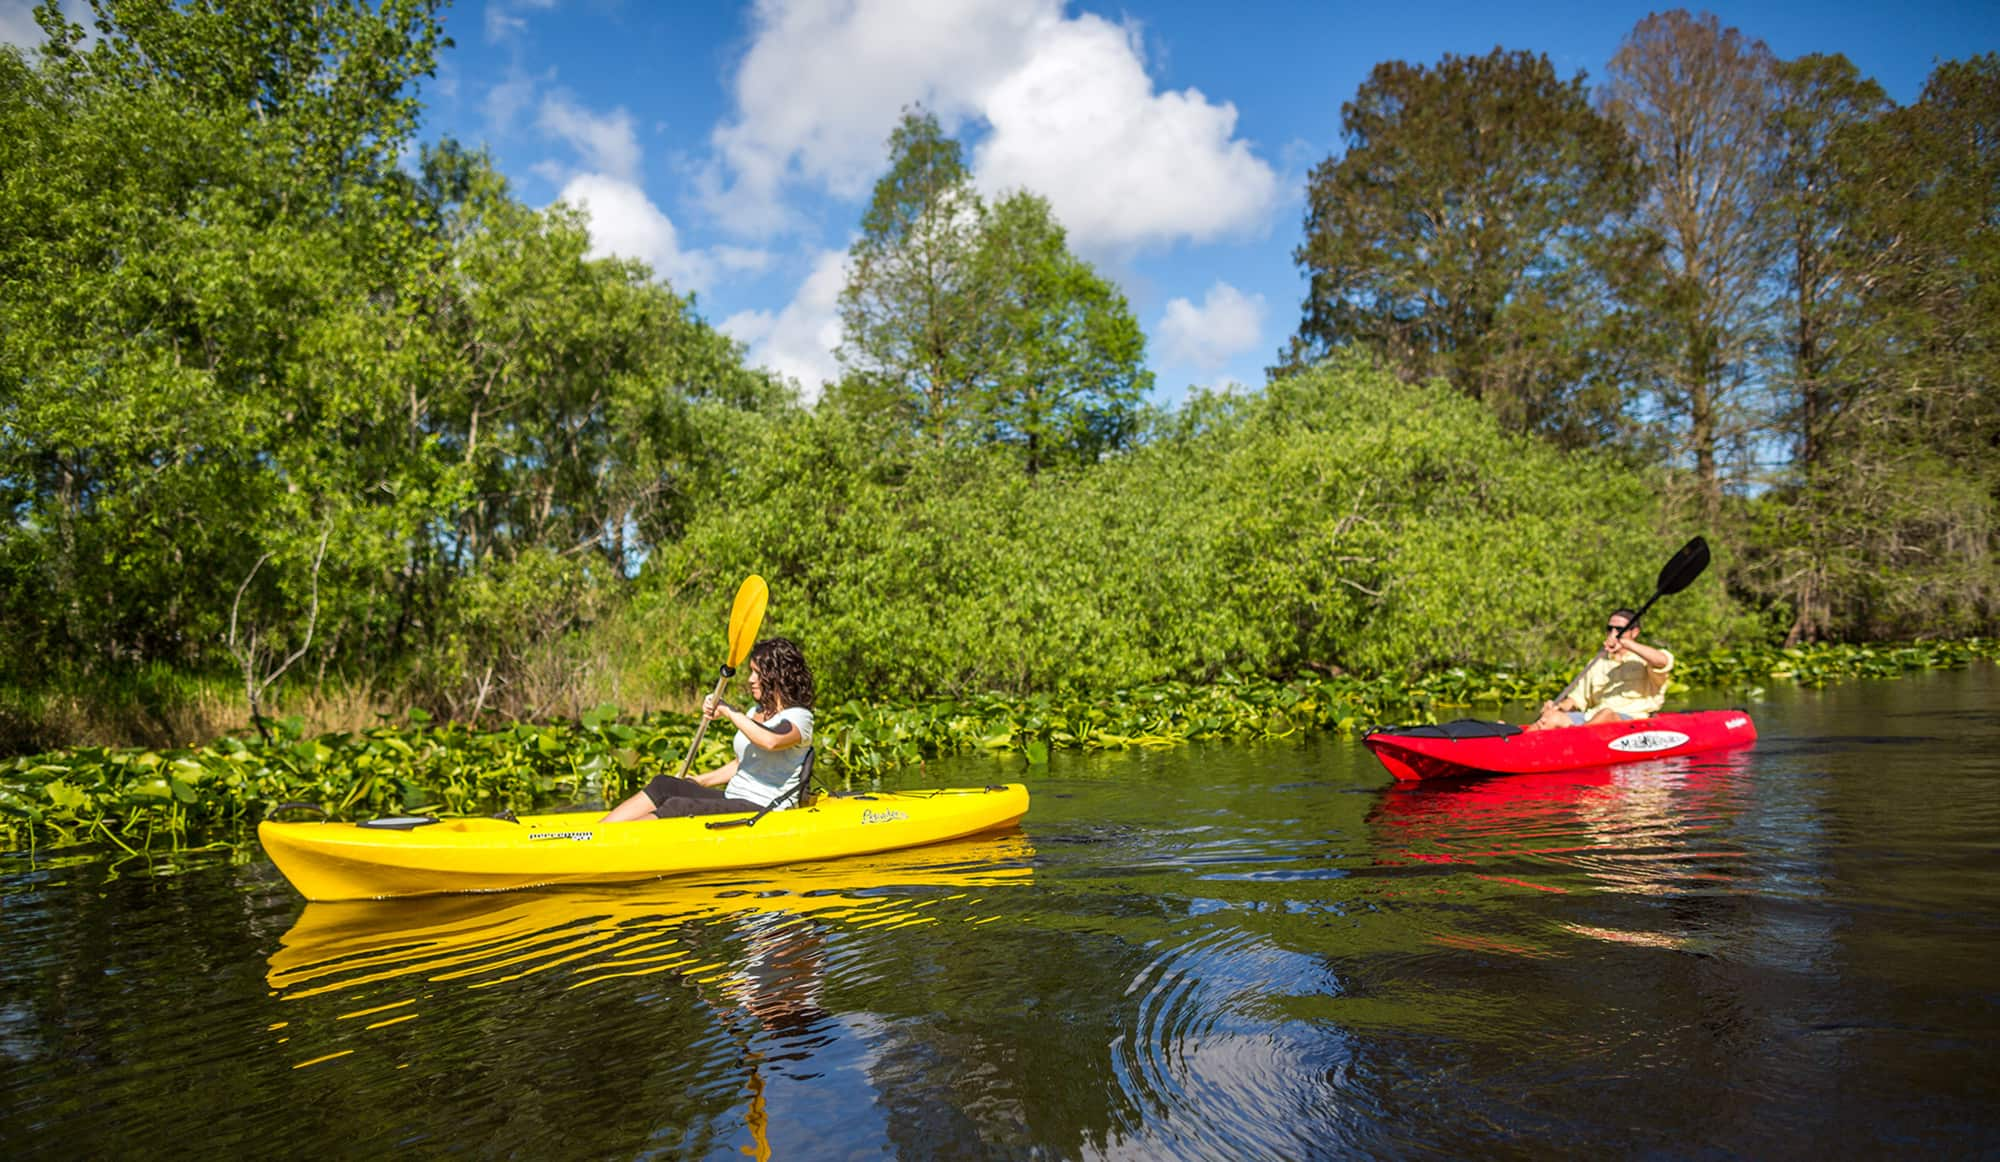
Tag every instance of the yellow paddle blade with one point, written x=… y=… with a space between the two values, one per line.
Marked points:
x=746 y=616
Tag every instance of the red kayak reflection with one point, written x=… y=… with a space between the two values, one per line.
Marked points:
x=1642 y=827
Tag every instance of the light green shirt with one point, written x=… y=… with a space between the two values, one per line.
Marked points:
x=1628 y=685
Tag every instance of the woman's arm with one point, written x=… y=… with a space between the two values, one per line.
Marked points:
x=771 y=736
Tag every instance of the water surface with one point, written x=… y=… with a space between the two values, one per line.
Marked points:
x=1205 y=952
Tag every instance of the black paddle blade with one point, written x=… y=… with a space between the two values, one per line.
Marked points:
x=1687 y=564
x=1677 y=574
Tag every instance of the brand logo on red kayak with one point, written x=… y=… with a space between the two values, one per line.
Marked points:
x=1737 y=723
x=579 y=836
x=868 y=816
x=1644 y=741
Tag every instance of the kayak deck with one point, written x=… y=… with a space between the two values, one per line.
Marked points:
x=351 y=861
x=1468 y=747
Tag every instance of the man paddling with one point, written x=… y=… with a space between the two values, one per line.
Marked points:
x=1627 y=679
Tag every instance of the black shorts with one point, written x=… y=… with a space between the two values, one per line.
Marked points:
x=675 y=798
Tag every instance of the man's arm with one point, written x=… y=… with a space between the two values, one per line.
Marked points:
x=1654 y=658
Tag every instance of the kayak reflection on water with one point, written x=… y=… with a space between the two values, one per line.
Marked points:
x=734 y=968
x=595 y=935
x=1651 y=828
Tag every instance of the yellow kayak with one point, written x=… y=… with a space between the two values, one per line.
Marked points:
x=358 y=861
x=592 y=932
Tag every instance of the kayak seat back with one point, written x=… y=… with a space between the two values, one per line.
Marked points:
x=798 y=791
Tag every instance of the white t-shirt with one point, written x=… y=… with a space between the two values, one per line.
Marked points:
x=762 y=774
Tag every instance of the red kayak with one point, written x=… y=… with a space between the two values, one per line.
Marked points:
x=1469 y=747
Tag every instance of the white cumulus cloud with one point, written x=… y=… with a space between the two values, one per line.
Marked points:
x=799 y=341
x=1068 y=106
x=605 y=182
x=824 y=81
x=1124 y=167
x=506 y=99
x=625 y=222
x=605 y=141
x=1226 y=324
x=504 y=19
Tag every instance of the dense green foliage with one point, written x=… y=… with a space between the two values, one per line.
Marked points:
x=1897 y=508
x=1454 y=237
x=1339 y=521
x=1793 y=322
x=270 y=397
x=298 y=413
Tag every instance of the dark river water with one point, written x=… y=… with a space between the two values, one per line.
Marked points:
x=1215 y=952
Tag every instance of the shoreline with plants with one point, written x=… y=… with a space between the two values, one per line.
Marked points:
x=140 y=799
x=365 y=431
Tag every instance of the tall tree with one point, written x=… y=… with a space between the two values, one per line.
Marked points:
x=1450 y=237
x=967 y=323
x=1063 y=360
x=913 y=305
x=1696 y=100
x=1918 y=444
x=257 y=374
x=1821 y=102
x=1819 y=99
x=199 y=226
x=575 y=387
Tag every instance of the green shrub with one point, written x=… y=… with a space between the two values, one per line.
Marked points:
x=1340 y=521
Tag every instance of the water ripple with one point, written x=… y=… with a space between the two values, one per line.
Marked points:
x=1203 y=1064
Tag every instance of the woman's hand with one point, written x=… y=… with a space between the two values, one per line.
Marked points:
x=713 y=707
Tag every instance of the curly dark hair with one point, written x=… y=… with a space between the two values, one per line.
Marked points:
x=783 y=668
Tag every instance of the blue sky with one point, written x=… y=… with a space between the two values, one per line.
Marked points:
x=733 y=145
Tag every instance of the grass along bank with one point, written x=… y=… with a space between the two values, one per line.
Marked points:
x=139 y=799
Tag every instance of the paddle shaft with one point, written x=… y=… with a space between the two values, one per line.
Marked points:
x=746 y=616
x=1677 y=574
x=721 y=684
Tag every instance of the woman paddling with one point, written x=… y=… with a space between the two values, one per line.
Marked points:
x=771 y=741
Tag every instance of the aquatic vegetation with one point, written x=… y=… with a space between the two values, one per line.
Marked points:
x=136 y=798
